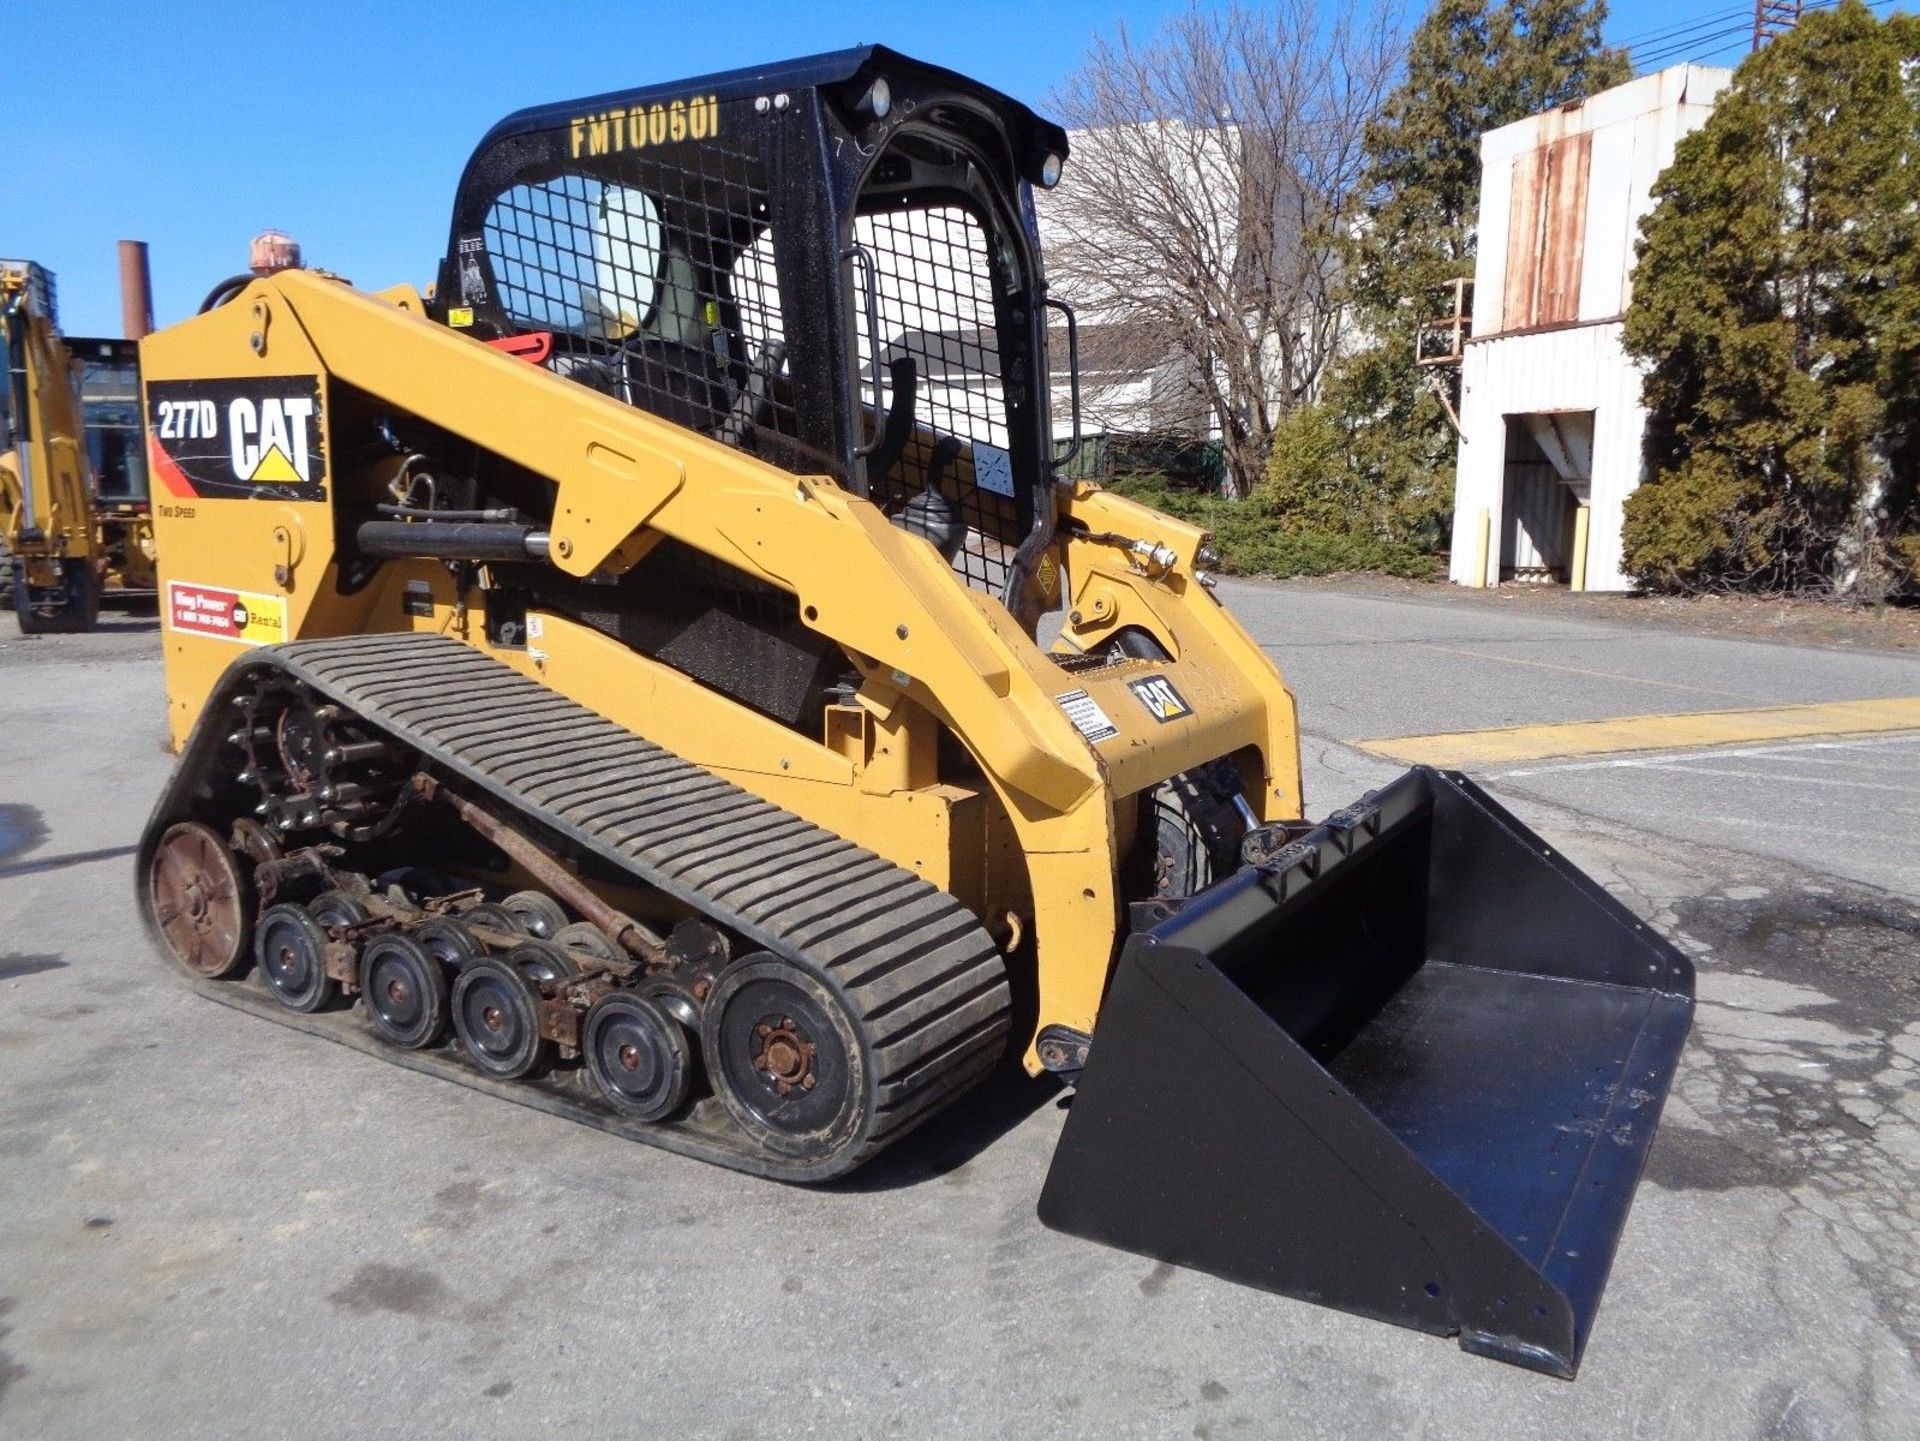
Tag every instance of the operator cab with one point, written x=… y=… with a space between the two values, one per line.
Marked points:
x=831 y=263
x=109 y=385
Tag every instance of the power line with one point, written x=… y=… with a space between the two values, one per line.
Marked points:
x=1712 y=35
x=1696 y=48
x=1663 y=32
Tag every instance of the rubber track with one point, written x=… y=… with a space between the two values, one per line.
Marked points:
x=920 y=976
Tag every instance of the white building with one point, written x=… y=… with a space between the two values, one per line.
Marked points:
x=1550 y=415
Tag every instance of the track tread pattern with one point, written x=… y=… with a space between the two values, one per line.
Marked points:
x=919 y=973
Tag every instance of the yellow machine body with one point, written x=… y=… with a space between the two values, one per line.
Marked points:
x=1034 y=852
x=66 y=540
x=45 y=481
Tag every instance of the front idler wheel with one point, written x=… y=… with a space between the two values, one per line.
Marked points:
x=637 y=1055
x=785 y=1059
x=201 y=903
x=290 y=947
x=405 y=991
x=496 y=1014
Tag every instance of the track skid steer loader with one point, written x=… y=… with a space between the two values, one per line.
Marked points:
x=616 y=682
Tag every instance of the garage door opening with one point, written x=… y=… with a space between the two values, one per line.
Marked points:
x=1548 y=481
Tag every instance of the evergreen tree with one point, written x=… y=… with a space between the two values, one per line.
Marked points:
x=1472 y=66
x=1777 y=305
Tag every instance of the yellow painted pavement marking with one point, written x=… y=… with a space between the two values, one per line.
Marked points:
x=1650 y=733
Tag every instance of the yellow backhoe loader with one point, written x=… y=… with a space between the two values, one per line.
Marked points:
x=661 y=678
x=73 y=503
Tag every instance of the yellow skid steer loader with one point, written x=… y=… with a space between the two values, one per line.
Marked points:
x=616 y=682
x=74 y=515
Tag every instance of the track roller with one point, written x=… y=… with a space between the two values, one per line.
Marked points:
x=491 y=917
x=676 y=996
x=496 y=1014
x=544 y=963
x=588 y=942
x=290 y=947
x=448 y=941
x=338 y=909
x=404 y=989
x=637 y=1055
x=538 y=913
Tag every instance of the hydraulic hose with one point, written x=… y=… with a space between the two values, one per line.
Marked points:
x=226 y=290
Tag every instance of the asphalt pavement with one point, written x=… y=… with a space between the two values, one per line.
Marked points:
x=1364 y=668
x=212 y=1226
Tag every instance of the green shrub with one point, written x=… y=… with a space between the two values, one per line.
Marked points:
x=1776 y=309
x=1252 y=540
x=1372 y=459
x=1702 y=522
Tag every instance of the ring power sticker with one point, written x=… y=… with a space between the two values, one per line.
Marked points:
x=417 y=599
x=1087 y=717
x=1162 y=701
x=239 y=615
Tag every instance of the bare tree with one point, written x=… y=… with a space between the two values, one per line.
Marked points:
x=1212 y=169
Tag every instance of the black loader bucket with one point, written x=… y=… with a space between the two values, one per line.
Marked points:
x=1409 y=1067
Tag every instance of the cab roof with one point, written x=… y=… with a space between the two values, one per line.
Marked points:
x=1031 y=134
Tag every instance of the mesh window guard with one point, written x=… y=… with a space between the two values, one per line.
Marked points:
x=935 y=302
x=655 y=273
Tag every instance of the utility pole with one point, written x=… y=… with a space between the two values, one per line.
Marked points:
x=1773 y=18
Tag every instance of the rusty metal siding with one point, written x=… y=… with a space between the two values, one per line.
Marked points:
x=1562 y=194
x=1564 y=229
x=1547 y=233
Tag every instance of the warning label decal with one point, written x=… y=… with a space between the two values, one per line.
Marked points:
x=238 y=615
x=1087 y=717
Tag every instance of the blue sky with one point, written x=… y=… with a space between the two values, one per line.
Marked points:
x=193 y=124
